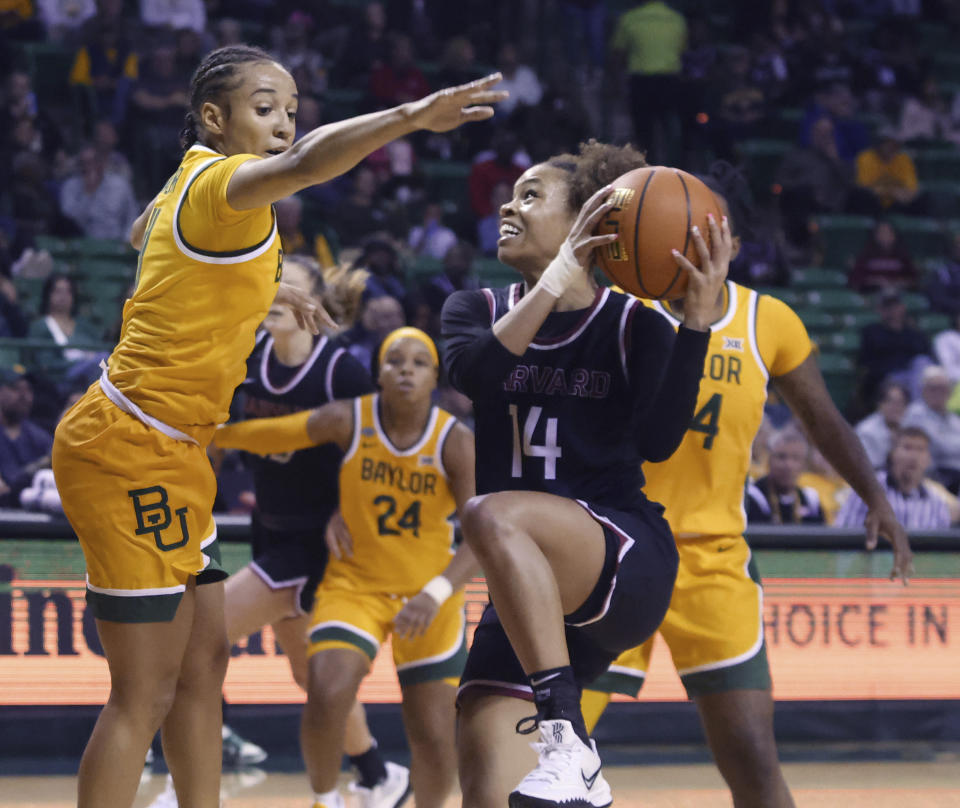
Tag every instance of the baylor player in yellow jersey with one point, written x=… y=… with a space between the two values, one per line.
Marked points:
x=714 y=627
x=129 y=457
x=408 y=468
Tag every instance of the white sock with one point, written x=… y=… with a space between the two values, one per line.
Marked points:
x=331 y=799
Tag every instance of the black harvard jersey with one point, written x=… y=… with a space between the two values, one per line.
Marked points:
x=294 y=486
x=598 y=391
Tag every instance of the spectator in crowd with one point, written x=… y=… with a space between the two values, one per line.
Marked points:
x=946 y=350
x=35 y=207
x=889 y=173
x=296 y=50
x=883 y=263
x=309 y=114
x=502 y=166
x=229 y=31
x=13 y=320
x=457 y=274
x=366 y=48
x=108 y=64
x=63 y=19
x=741 y=104
x=458 y=64
x=823 y=478
x=431 y=237
x=378 y=317
x=838 y=103
x=159 y=102
x=25 y=126
x=584 y=36
x=174 y=14
x=815 y=179
x=59 y=323
x=518 y=79
x=943 y=284
x=399 y=80
x=777 y=498
x=488 y=227
x=105 y=141
x=24 y=446
x=892 y=345
x=102 y=204
x=651 y=38
x=942 y=426
x=360 y=211
x=876 y=431
x=927 y=115
x=914 y=502
x=382 y=260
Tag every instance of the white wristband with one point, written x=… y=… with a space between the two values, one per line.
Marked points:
x=561 y=272
x=438 y=588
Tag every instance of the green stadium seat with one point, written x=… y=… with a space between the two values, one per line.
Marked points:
x=792 y=297
x=842 y=341
x=61 y=249
x=29 y=292
x=493 y=273
x=938 y=164
x=836 y=300
x=923 y=237
x=9 y=352
x=343 y=102
x=817 y=319
x=446 y=181
x=422 y=268
x=857 y=318
x=933 y=322
x=916 y=302
x=763 y=158
x=843 y=236
x=832 y=363
x=817 y=277
x=104 y=248
x=120 y=271
x=49 y=65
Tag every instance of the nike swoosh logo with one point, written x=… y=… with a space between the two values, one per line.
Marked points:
x=724 y=549
x=589 y=781
x=538 y=682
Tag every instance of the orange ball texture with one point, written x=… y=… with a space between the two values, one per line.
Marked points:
x=655 y=208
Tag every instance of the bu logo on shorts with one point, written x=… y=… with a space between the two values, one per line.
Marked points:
x=153 y=515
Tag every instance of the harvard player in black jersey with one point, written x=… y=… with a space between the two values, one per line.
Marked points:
x=573 y=386
x=296 y=493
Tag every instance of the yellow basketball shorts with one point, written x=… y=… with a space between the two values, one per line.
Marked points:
x=141 y=504
x=713 y=628
x=344 y=618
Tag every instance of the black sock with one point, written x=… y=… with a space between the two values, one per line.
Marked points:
x=557 y=696
x=370 y=767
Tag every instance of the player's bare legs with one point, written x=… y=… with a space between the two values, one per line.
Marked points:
x=334 y=678
x=739 y=728
x=191 y=732
x=493 y=758
x=144 y=661
x=429 y=717
x=542 y=556
x=251 y=604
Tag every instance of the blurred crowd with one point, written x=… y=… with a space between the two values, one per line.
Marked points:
x=830 y=113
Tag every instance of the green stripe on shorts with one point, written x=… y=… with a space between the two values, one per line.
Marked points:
x=612 y=682
x=214 y=571
x=139 y=609
x=339 y=634
x=435 y=671
x=751 y=674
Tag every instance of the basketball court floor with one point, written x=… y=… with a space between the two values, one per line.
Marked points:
x=876 y=784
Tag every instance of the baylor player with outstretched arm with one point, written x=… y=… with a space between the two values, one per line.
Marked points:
x=129 y=457
x=714 y=626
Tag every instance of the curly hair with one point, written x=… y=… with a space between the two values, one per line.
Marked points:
x=214 y=77
x=339 y=288
x=729 y=182
x=596 y=165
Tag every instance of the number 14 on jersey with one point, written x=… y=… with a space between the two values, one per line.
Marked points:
x=549 y=450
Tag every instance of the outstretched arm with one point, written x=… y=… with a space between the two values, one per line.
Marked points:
x=804 y=390
x=458 y=460
x=331 y=423
x=334 y=149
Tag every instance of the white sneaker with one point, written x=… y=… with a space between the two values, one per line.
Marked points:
x=334 y=800
x=391 y=792
x=167 y=798
x=567 y=774
x=239 y=752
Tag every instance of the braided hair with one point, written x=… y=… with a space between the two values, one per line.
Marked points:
x=216 y=76
x=729 y=182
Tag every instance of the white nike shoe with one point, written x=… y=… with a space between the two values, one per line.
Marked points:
x=391 y=792
x=166 y=798
x=567 y=774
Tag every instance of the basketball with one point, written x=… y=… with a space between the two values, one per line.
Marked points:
x=655 y=207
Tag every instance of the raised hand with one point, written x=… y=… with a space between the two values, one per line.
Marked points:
x=416 y=615
x=309 y=314
x=447 y=109
x=705 y=283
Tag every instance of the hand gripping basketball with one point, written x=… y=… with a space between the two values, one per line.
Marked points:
x=576 y=252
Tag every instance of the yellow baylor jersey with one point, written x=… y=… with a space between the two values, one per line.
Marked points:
x=701 y=484
x=397 y=504
x=205 y=280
